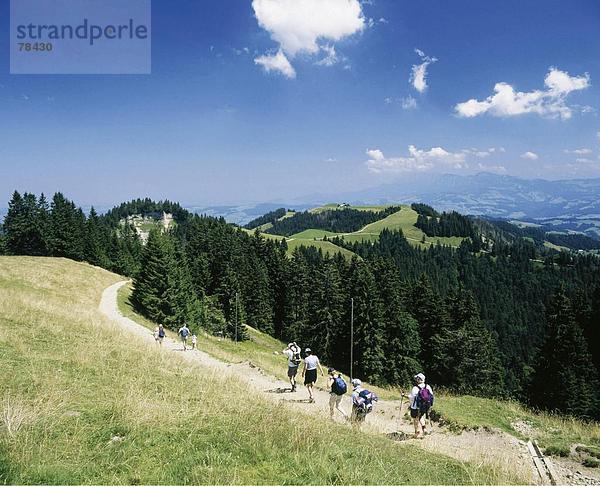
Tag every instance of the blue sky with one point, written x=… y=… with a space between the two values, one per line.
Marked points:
x=338 y=109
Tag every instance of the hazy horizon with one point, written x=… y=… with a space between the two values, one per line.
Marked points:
x=257 y=101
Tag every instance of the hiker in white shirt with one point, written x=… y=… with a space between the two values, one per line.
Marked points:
x=309 y=372
x=420 y=400
x=184 y=332
x=292 y=352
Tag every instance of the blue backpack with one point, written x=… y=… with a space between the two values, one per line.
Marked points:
x=364 y=401
x=185 y=332
x=339 y=386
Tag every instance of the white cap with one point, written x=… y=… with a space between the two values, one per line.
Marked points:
x=307 y=350
x=356 y=382
x=420 y=377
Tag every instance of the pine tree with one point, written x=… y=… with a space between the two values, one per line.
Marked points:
x=325 y=310
x=402 y=341
x=468 y=356
x=23 y=226
x=66 y=229
x=368 y=324
x=592 y=330
x=95 y=242
x=429 y=311
x=565 y=378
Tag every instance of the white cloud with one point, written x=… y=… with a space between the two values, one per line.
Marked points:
x=408 y=103
x=482 y=154
x=276 y=62
x=383 y=20
x=530 y=156
x=598 y=134
x=500 y=169
x=581 y=151
x=330 y=58
x=418 y=77
x=508 y=102
x=417 y=160
x=298 y=25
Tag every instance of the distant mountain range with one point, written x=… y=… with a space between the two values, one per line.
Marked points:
x=564 y=206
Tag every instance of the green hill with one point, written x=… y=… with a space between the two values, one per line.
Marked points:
x=85 y=402
x=404 y=220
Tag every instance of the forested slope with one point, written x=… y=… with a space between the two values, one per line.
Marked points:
x=478 y=323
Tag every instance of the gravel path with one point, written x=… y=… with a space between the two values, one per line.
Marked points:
x=495 y=449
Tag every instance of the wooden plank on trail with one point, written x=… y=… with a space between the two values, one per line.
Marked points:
x=549 y=467
x=539 y=463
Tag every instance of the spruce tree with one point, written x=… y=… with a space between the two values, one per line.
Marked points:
x=467 y=356
x=95 y=243
x=368 y=324
x=66 y=229
x=402 y=341
x=326 y=310
x=23 y=226
x=565 y=378
x=151 y=284
x=429 y=311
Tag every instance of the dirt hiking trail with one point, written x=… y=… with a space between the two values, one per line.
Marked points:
x=496 y=449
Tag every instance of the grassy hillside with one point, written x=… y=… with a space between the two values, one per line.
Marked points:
x=404 y=220
x=458 y=413
x=83 y=402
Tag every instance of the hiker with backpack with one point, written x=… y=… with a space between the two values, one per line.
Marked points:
x=421 y=401
x=294 y=359
x=362 y=403
x=337 y=390
x=160 y=333
x=184 y=332
x=309 y=372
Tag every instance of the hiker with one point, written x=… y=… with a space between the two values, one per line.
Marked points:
x=421 y=401
x=184 y=332
x=309 y=372
x=155 y=334
x=337 y=390
x=293 y=354
x=194 y=341
x=161 y=334
x=362 y=403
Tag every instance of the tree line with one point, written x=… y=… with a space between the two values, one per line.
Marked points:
x=345 y=220
x=270 y=217
x=498 y=324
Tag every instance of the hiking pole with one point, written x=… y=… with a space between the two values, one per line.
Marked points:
x=236 y=315
x=400 y=412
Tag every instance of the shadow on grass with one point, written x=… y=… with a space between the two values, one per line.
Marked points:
x=399 y=436
x=279 y=390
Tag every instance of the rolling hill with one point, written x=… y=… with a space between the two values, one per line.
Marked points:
x=85 y=401
x=404 y=220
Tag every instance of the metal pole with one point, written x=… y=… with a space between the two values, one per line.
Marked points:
x=351 y=337
x=236 y=315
